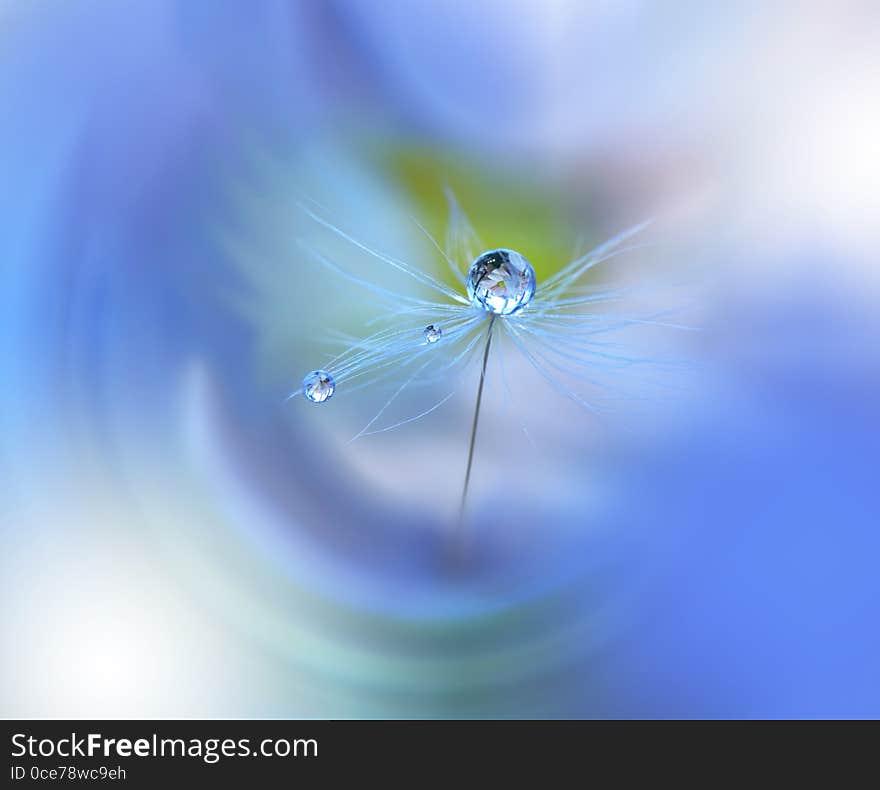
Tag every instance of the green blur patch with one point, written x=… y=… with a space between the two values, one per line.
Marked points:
x=513 y=212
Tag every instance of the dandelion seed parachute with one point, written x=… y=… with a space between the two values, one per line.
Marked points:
x=547 y=325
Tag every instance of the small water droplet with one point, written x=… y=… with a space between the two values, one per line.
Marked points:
x=318 y=386
x=433 y=333
x=501 y=282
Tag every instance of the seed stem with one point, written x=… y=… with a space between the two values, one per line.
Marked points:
x=470 y=461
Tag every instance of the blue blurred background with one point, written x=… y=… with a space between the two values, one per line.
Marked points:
x=179 y=540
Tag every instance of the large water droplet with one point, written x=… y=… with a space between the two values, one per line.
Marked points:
x=501 y=281
x=318 y=386
x=433 y=333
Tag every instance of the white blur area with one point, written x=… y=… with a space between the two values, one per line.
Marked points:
x=94 y=627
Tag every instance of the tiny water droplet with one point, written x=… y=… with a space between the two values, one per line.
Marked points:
x=433 y=333
x=501 y=282
x=318 y=386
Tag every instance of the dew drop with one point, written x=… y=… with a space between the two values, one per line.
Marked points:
x=501 y=282
x=433 y=333
x=318 y=386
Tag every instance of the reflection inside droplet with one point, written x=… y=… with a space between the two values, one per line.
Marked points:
x=318 y=386
x=501 y=281
x=433 y=333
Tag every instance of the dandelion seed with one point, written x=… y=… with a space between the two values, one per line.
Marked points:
x=548 y=325
x=432 y=333
x=318 y=386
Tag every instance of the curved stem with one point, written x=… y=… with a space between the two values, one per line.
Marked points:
x=470 y=461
